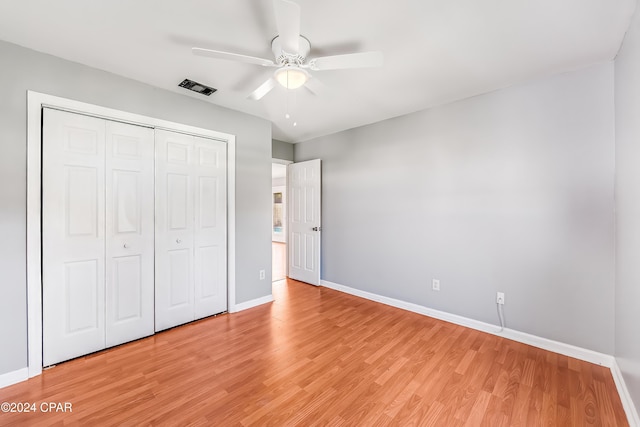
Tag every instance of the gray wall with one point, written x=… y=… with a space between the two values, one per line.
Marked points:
x=281 y=150
x=627 y=105
x=510 y=191
x=21 y=70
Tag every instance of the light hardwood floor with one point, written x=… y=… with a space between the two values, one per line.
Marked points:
x=320 y=357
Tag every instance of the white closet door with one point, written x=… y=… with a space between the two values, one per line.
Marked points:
x=129 y=232
x=73 y=236
x=191 y=228
x=210 y=178
x=174 y=230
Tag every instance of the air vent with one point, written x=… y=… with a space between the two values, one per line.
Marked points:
x=197 y=87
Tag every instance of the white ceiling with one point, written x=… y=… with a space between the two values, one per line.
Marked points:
x=436 y=51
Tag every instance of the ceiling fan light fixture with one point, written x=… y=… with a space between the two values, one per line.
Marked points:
x=291 y=77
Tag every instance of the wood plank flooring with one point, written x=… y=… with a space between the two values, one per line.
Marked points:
x=320 y=357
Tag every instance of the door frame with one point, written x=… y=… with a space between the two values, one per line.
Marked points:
x=35 y=102
x=286 y=234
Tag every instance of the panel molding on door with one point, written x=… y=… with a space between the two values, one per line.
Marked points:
x=191 y=253
x=174 y=230
x=97 y=240
x=210 y=280
x=73 y=236
x=129 y=232
x=304 y=206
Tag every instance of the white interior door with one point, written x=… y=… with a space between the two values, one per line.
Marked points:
x=210 y=241
x=304 y=184
x=73 y=235
x=191 y=224
x=174 y=230
x=129 y=232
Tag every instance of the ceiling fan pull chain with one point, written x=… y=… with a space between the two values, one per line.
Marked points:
x=286 y=105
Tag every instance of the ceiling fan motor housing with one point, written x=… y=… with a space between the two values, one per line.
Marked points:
x=287 y=58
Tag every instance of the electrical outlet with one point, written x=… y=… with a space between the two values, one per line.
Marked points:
x=435 y=285
x=262 y=274
x=500 y=298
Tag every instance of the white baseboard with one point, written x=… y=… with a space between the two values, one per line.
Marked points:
x=625 y=397
x=252 y=303
x=580 y=353
x=533 y=340
x=14 y=377
x=544 y=343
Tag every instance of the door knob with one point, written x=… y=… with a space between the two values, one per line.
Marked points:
x=178 y=241
x=125 y=246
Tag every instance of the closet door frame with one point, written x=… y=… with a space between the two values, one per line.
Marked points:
x=35 y=103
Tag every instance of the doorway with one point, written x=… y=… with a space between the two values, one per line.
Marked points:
x=279 y=221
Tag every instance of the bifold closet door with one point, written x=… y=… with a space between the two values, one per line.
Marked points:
x=210 y=226
x=174 y=230
x=129 y=233
x=97 y=236
x=191 y=253
x=73 y=236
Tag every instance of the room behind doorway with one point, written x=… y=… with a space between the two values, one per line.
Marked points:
x=279 y=221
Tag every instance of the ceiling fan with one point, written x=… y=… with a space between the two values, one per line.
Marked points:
x=290 y=50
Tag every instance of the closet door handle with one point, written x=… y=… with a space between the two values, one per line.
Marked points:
x=125 y=246
x=178 y=241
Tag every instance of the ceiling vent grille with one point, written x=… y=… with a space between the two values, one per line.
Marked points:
x=197 y=87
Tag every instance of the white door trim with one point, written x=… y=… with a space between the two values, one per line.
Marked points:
x=35 y=102
x=286 y=210
x=281 y=161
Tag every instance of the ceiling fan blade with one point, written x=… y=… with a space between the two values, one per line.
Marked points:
x=263 y=89
x=232 y=57
x=350 y=60
x=315 y=86
x=288 y=23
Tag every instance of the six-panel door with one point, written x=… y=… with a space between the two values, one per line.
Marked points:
x=73 y=236
x=99 y=187
x=190 y=228
x=210 y=227
x=129 y=232
x=304 y=221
